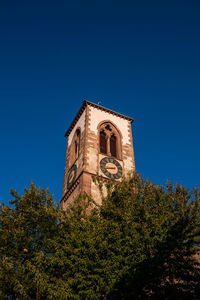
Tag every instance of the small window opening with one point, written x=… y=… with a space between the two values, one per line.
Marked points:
x=103 y=142
x=76 y=149
x=78 y=132
x=113 y=145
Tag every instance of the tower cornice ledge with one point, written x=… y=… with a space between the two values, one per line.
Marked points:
x=88 y=103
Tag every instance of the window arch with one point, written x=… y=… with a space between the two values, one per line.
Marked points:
x=75 y=147
x=77 y=143
x=109 y=140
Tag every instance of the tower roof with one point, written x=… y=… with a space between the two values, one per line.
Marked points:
x=88 y=103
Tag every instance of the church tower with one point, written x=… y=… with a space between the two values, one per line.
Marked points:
x=99 y=143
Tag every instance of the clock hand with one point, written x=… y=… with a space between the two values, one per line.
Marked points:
x=110 y=167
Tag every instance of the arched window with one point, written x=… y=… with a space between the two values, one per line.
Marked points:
x=75 y=147
x=109 y=140
x=77 y=143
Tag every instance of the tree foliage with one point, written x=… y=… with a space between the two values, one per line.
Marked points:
x=139 y=244
x=27 y=234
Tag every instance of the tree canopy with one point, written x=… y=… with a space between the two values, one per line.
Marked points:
x=140 y=243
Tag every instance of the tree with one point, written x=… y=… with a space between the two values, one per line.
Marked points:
x=28 y=232
x=139 y=244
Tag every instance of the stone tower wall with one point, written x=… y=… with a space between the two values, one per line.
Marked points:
x=88 y=121
x=79 y=162
x=95 y=117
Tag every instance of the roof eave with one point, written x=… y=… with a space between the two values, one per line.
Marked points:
x=83 y=106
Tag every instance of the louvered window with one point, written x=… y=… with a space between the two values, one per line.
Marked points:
x=113 y=145
x=103 y=142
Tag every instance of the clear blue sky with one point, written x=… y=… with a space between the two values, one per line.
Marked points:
x=139 y=58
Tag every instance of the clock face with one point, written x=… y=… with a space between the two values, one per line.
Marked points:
x=71 y=176
x=111 y=167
